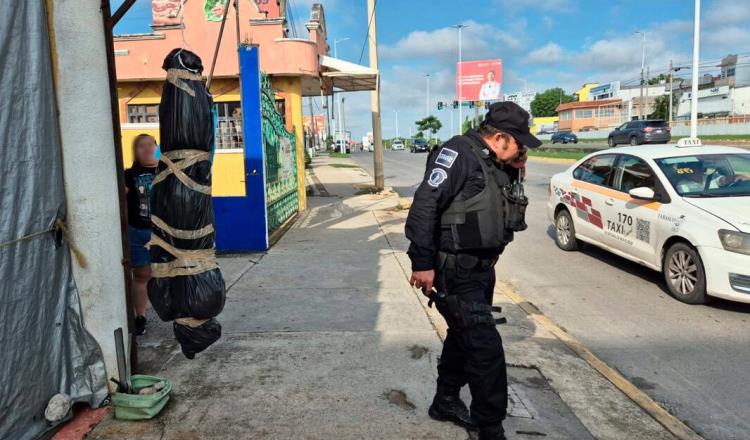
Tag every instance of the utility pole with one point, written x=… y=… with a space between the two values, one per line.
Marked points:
x=314 y=136
x=343 y=121
x=696 y=58
x=648 y=91
x=375 y=98
x=643 y=62
x=460 y=88
x=338 y=104
x=671 y=86
x=396 y=111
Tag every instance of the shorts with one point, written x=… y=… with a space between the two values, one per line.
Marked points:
x=139 y=255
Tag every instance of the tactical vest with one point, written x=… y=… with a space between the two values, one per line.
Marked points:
x=479 y=222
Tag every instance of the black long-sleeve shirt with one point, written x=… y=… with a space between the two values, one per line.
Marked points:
x=453 y=169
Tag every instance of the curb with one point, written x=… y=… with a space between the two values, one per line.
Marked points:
x=646 y=403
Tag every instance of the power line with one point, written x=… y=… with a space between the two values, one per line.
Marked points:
x=367 y=33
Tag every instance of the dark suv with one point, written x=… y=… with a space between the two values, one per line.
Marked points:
x=650 y=131
x=419 y=146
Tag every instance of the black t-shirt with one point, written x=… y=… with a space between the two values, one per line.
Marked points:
x=138 y=180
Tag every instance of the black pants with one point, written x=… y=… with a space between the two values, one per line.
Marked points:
x=474 y=355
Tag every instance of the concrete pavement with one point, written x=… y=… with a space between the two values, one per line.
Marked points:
x=690 y=359
x=324 y=338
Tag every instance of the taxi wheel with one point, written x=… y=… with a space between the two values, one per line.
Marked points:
x=565 y=231
x=684 y=274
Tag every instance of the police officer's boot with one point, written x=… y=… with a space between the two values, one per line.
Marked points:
x=447 y=406
x=494 y=433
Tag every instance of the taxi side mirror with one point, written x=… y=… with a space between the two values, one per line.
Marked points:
x=642 y=193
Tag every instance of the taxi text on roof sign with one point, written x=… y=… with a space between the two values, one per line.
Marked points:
x=689 y=142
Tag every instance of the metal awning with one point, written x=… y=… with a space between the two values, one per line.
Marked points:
x=348 y=76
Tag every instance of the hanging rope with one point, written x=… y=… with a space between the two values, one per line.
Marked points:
x=59 y=227
x=218 y=44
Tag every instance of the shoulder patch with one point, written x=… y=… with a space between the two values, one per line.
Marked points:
x=446 y=157
x=437 y=176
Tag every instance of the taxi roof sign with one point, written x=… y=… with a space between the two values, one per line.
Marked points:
x=689 y=142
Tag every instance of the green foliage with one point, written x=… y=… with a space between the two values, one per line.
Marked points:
x=661 y=107
x=664 y=77
x=308 y=159
x=470 y=123
x=545 y=103
x=338 y=155
x=430 y=123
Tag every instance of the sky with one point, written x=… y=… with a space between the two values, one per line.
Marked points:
x=543 y=44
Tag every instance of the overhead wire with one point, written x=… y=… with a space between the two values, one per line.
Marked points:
x=367 y=33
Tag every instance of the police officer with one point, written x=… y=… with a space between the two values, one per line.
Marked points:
x=464 y=213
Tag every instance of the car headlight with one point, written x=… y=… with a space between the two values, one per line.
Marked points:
x=734 y=241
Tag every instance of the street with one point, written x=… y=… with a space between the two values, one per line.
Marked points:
x=690 y=359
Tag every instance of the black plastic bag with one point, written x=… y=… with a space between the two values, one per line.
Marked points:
x=187 y=282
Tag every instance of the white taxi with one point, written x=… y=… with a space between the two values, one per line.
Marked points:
x=680 y=209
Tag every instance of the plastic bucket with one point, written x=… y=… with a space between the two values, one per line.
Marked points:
x=141 y=406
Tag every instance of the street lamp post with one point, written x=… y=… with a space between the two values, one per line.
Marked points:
x=427 y=75
x=643 y=63
x=696 y=58
x=396 y=111
x=338 y=103
x=460 y=88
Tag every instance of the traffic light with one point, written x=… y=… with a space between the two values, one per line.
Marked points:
x=440 y=105
x=455 y=104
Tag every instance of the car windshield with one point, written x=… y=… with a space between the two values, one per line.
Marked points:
x=708 y=175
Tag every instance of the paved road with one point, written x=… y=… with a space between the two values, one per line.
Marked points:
x=692 y=359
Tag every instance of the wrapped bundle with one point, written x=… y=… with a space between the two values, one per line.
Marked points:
x=187 y=286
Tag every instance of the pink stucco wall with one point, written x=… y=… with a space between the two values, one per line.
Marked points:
x=140 y=57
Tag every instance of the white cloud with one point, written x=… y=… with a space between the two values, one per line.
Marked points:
x=551 y=53
x=478 y=41
x=544 y=5
x=727 y=12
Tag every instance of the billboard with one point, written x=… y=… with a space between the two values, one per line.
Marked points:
x=479 y=80
x=319 y=126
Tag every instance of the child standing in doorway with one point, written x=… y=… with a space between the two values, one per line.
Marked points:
x=138 y=181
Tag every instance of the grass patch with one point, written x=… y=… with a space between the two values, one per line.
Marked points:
x=338 y=155
x=558 y=154
x=343 y=165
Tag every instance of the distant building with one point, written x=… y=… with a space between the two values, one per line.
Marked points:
x=605 y=91
x=591 y=115
x=523 y=99
x=582 y=94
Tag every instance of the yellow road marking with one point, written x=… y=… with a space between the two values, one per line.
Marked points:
x=661 y=415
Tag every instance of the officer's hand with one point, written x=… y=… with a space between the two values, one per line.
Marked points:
x=423 y=279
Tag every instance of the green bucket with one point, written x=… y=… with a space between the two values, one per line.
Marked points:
x=141 y=406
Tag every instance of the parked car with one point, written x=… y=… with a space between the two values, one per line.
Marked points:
x=564 y=137
x=650 y=131
x=397 y=145
x=420 y=146
x=682 y=210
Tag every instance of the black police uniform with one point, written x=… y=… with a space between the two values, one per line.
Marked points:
x=470 y=355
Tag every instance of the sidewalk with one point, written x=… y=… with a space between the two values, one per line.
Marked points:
x=325 y=339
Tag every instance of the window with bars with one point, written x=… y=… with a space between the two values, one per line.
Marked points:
x=229 y=125
x=141 y=113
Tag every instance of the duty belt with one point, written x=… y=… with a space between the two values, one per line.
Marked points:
x=464 y=261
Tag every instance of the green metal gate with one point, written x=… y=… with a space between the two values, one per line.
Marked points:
x=282 y=199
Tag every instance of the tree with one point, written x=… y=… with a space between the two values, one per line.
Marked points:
x=430 y=123
x=664 y=77
x=545 y=103
x=661 y=107
x=469 y=123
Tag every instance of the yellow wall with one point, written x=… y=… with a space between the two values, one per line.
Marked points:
x=546 y=120
x=583 y=92
x=228 y=167
x=292 y=86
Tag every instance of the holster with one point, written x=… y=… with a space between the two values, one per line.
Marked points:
x=515 y=207
x=461 y=315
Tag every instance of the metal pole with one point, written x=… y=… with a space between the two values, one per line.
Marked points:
x=396 y=111
x=343 y=122
x=648 y=90
x=338 y=102
x=375 y=99
x=460 y=85
x=643 y=64
x=671 y=86
x=427 y=107
x=696 y=58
